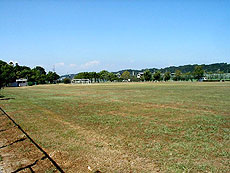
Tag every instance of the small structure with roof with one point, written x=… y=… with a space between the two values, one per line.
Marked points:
x=139 y=75
x=21 y=82
x=80 y=81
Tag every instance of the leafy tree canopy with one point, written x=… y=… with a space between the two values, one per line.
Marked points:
x=10 y=72
x=167 y=76
x=178 y=75
x=67 y=80
x=198 y=72
x=147 y=75
x=157 y=76
x=125 y=75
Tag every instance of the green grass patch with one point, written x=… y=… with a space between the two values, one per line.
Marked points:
x=178 y=127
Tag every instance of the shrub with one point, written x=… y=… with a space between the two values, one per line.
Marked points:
x=67 y=80
x=30 y=83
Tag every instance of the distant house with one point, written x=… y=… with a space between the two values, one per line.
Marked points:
x=18 y=83
x=139 y=75
x=202 y=79
x=118 y=75
x=80 y=81
x=173 y=75
x=21 y=82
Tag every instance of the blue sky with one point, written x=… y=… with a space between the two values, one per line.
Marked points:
x=97 y=34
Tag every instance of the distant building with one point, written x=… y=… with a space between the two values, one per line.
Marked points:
x=18 y=83
x=202 y=79
x=80 y=81
x=173 y=75
x=133 y=73
x=118 y=75
x=21 y=82
x=139 y=75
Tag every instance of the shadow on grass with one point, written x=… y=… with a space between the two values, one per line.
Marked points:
x=2 y=97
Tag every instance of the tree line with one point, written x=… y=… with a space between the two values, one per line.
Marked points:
x=104 y=76
x=10 y=72
x=210 y=68
x=197 y=74
x=37 y=75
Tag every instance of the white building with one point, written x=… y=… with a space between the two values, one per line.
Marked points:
x=21 y=82
x=80 y=81
x=139 y=75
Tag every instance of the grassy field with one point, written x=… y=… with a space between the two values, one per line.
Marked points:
x=128 y=127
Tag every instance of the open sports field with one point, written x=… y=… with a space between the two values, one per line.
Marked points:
x=128 y=127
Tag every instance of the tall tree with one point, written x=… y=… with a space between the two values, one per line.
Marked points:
x=104 y=75
x=67 y=80
x=52 y=77
x=125 y=75
x=147 y=75
x=198 y=72
x=10 y=72
x=157 y=76
x=40 y=69
x=178 y=75
x=2 y=73
x=167 y=76
x=112 y=77
x=80 y=76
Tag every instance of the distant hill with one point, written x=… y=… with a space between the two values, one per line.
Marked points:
x=213 y=68
x=71 y=76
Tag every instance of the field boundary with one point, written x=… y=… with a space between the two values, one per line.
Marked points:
x=46 y=155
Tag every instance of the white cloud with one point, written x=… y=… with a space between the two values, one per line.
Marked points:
x=90 y=64
x=60 y=64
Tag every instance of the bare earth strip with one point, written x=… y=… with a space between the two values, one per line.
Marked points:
x=17 y=152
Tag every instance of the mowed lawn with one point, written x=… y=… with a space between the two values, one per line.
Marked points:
x=128 y=127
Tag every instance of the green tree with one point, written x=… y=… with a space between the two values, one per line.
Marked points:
x=92 y=75
x=167 y=76
x=112 y=77
x=52 y=77
x=188 y=76
x=82 y=75
x=7 y=74
x=10 y=72
x=178 y=75
x=67 y=80
x=38 y=75
x=125 y=75
x=134 y=79
x=142 y=78
x=3 y=76
x=40 y=69
x=157 y=76
x=104 y=75
x=198 y=72
x=147 y=75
